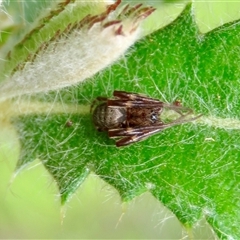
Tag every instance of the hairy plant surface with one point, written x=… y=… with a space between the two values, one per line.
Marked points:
x=193 y=168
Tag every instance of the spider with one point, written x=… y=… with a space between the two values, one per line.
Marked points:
x=133 y=117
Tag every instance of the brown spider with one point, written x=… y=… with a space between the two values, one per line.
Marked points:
x=134 y=117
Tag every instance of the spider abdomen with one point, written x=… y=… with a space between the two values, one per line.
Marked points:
x=105 y=117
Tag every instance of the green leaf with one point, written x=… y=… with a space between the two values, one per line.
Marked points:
x=193 y=169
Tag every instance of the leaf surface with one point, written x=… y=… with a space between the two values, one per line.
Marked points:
x=193 y=168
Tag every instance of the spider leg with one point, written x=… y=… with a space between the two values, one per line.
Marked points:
x=128 y=140
x=126 y=99
x=133 y=103
x=135 y=138
x=129 y=99
x=133 y=97
x=118 y=132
